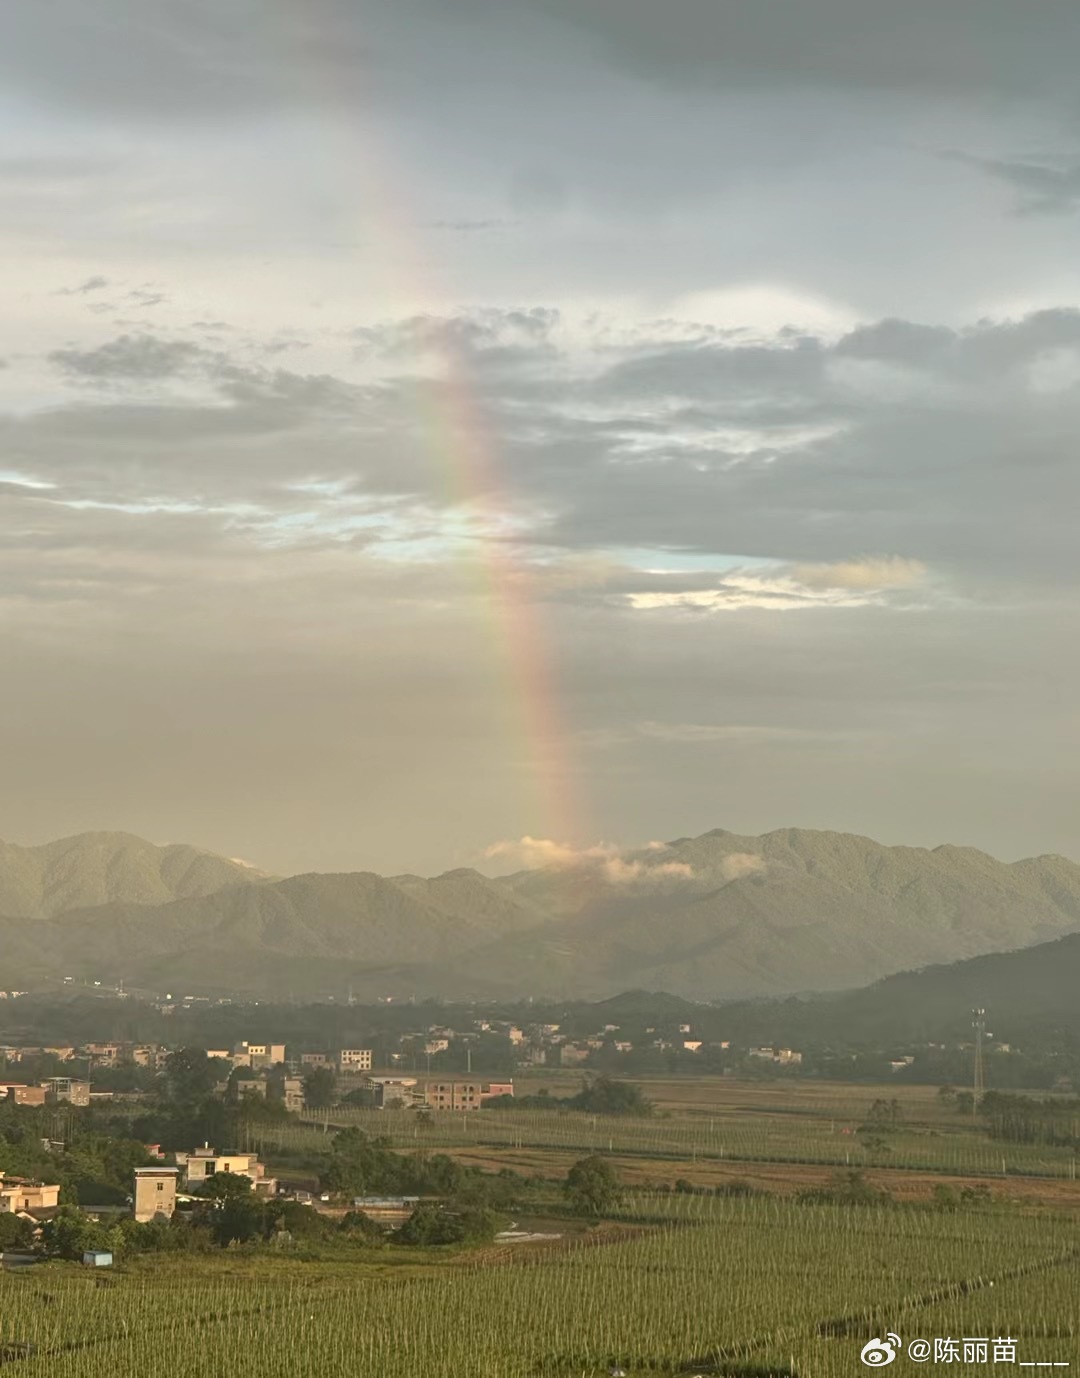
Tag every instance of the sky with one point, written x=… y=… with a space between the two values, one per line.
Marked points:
x=429 y=425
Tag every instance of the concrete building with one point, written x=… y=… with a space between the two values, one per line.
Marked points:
x=154 y=1197
x=258 y=1055
x=286 y=1090
x=203 y=1163
x=392 y=1092
x=27 y=1194
x=66 y=1090
x=102 y=1054
x=148 y=1055
x=242 y=1087
x=22 y=1095
x=784 y=1056
x=312 y=1060
x=352 y=1060
x=464 y=1095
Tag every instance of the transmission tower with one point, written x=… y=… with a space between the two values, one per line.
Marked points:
x=979 y=1025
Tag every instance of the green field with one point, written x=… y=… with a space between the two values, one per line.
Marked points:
x=823 y=1135
x=709 y=1285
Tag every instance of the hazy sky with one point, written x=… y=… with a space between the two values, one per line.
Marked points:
x=432 y=422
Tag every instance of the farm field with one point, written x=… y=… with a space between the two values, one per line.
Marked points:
x=705 y=1284
x=717 y=1121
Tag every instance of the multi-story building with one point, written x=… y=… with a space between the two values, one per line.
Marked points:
x=353 y=1060
x=313 y=1060
x=785 y=1056
x=148 y=1055
x=66 y=1090
x=258 y=1055
x=18 y=1094
x=102 y=1054
x=198 y=1166
x=242 y=1087
x=154 y=1197
x=392 y=1091
x=464 y=1095
x=26 y=1194
x=287 y=1090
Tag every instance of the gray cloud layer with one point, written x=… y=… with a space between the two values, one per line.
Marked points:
x=423 y=425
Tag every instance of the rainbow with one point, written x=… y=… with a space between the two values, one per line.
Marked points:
x=464 y=451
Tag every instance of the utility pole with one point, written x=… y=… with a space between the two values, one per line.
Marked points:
x=979 y=1087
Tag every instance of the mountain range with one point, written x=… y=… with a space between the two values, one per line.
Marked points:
x=720 y=916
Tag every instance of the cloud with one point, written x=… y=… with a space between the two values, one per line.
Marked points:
x=482 y=333
x=472 y=226
x=870 y=574
x=90 y=284
x=138 y=357
x=1042 y=189
x=603 y=860
x=739 y=865
x=845 y=585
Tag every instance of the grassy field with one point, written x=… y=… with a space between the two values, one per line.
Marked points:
x=715 y=1285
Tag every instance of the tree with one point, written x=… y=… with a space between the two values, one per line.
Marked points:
x=226 y=1186
x=294 y=1219
x=189 y=1074
x=605 y=1096
x=69 y=1234
x=430 y=1224
x=320 y=1086
x=238 y=1219
x=592 y=1185
x=15 y=1231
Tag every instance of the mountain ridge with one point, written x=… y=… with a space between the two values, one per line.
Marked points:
x=97 y=868
x=720 y=916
